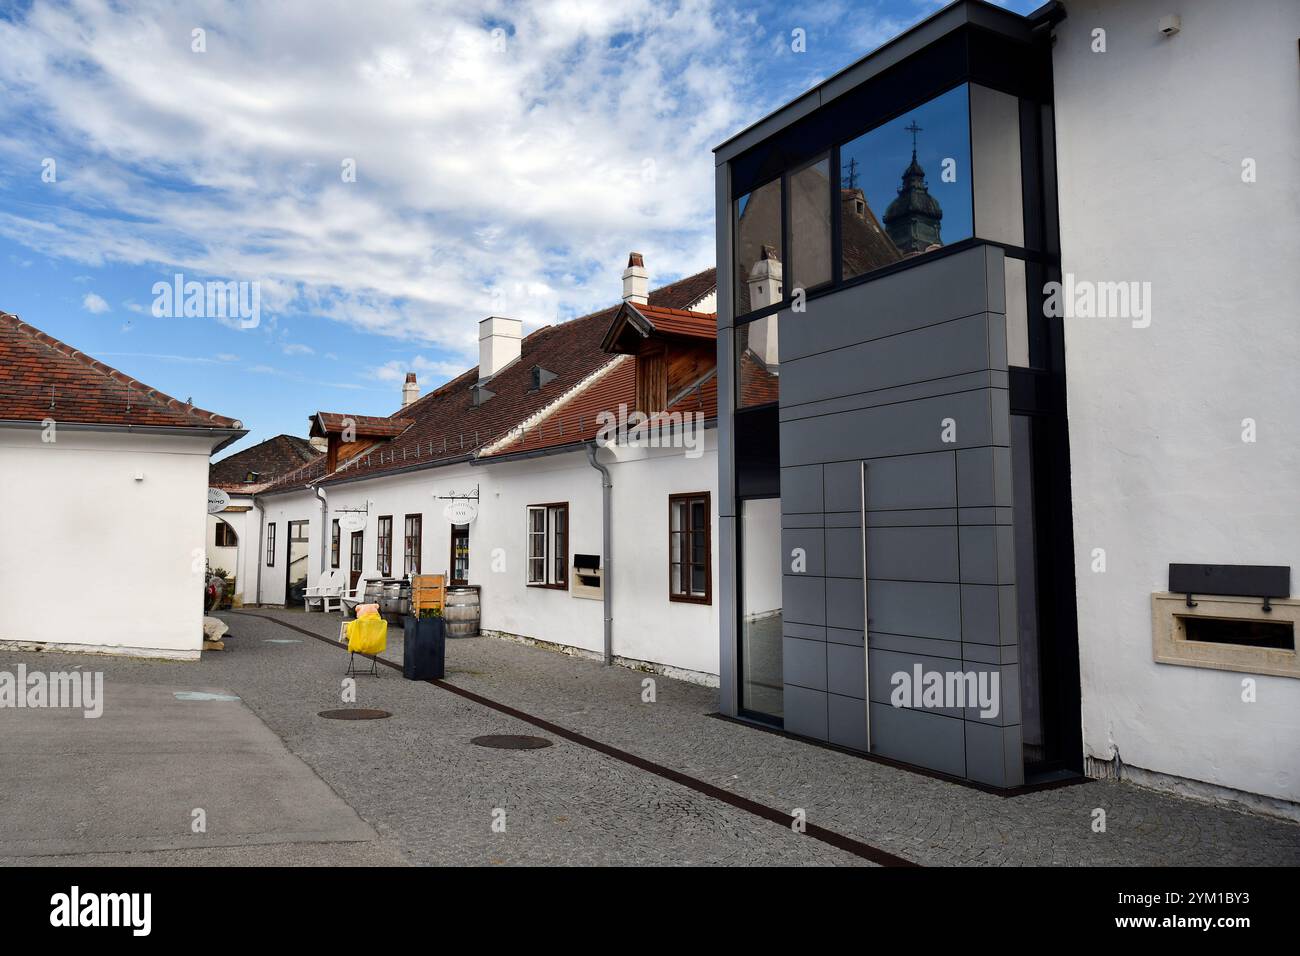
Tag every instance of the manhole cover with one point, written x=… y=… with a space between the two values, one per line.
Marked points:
x=354 y=713
x=511 y=742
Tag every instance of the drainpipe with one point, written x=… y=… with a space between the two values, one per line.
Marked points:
x=261 y=530
x=324 y=530
x=607 y=528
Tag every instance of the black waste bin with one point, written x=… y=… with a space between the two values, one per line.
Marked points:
x=424 y=648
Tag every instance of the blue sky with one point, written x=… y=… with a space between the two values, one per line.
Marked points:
x=507 y=157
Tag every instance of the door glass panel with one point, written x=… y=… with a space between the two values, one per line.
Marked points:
x=760 y=624
x=298 y=555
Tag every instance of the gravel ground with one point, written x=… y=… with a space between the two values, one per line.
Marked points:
x=430 y=793
x=928 y=821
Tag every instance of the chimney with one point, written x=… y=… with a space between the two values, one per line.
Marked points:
x=765 y=280
x=498 y=344
x=410 y=391
x=636 y=284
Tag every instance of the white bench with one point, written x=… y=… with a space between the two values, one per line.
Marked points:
x=328 y=590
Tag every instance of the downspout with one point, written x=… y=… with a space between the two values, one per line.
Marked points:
x=607 y=529
x=261 y=530
x=325 y=535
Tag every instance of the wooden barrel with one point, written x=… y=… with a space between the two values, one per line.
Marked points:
x=461 y=612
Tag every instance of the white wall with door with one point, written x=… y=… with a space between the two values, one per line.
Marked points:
x=649 y=624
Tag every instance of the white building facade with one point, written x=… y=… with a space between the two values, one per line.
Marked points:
x=541 y=462
x=1178 y=161
x=103 y=486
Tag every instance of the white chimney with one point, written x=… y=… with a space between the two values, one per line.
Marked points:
x=498 y=344
x=410 y=390
x=636 y=284
x=765 y=280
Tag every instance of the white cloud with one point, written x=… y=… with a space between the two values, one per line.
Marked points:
x=95 y=304
x=428 y=373
x=487 y=181
x=297 y=348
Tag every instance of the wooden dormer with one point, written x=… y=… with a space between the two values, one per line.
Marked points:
x=674 y=349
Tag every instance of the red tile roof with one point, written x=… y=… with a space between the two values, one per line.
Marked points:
x=658 y=320
x=580 y=418
x=757 y=385
x=679 y=322
x=41 y=377
x=448 y=426
x=268 y=460
x=363 y=426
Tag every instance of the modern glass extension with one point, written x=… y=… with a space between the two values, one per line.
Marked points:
x=865 y=542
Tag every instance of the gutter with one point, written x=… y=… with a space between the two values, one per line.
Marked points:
x=549 y=450
x=607 y=532
x=261 y=530
x=325 y=534
x=232 y=434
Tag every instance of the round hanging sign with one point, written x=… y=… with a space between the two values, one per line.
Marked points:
x=460 y=511
x=352 y=521
x=218 y=500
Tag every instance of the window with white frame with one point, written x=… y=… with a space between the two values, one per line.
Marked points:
x=548 y=546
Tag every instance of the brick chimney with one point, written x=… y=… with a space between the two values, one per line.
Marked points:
x=636 y=284
x=499 y=342
x=410 y=390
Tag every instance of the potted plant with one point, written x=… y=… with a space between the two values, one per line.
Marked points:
x=424 y=645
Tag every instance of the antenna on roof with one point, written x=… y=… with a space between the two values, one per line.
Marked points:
x=851 y=180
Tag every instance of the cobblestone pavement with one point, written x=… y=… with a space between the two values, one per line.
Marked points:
x=418 y=781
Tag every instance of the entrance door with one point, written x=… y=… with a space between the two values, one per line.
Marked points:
x=356 y=556
x=460 y=554
x=762 y=688
x=296 y=566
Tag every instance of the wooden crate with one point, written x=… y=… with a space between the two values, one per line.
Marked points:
x=427 y=590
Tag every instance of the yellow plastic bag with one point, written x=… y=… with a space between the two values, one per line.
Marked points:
x=367 y=635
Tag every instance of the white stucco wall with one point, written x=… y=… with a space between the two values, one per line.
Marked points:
x=647 y=625
x=240 y=561
x=91 y=556
x=1151 y=136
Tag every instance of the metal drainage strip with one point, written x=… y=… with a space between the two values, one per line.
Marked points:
x=511 y=742
x=354 y=713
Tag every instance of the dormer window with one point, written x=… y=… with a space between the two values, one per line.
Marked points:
x=251 y=477
x=540 y=377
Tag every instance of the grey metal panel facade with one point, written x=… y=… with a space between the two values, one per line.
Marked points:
x=906 y=373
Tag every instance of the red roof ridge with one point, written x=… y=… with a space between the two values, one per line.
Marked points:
x=148 y=392
x=645 y=307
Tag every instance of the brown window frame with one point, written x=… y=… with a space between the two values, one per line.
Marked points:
x=221 y=537
x=357 y=552
x=685 y=567
x=336 y=541
x=384 y=547
x=451 y=573
x=270 y=545
x=412 y=544
x=555 y=544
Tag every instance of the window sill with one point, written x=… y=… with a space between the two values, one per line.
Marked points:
x=706 y=600
x=549 y=587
